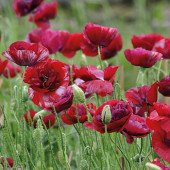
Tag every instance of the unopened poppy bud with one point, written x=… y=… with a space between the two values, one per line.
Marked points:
x=40 y=114
x=25 y=95
x=38 y=132
x=78 y=94
x=151 y=166
x=138 y=158
x=83 y=61
x=106 y=115
x=84 y=165
x=61 y=157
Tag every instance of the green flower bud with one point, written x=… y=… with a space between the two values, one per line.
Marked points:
x=151 y=166
x=40 y=114
x=25 y=95
x=138 y=158
x=38 y=132
x=84 y=165
x=61 y=157
x=106 y=115
x=78 y=94
x=83 y=61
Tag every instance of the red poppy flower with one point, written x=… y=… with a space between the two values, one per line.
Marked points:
x=9 y=160
x=120 y=115
x=161 y=142
x=26 y=54
x=136 y=128
x=54 y=40
x=164 y=86
x=159 y=116
x=141 y=57
x=43 y=13
x=35 y=35
x=105 y=37
x=48 y=120
x=163 y=47
x=94 y=80
x=161 y=165
x=142 y=96
x=48 y=82
x=23 y=7
x=82 y=113
x=146 y=41
x=11 y=70
x=72 y=45
x=3 y=64
x=64 y=102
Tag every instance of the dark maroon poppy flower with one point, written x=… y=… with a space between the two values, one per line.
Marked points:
x=161 y=165
x=161 y=142
x=26 y=54
x=48 y=82
x=112 y=49
x=141 y=57
x=3 y=64
x=11 y=70
x=159 y=116
x=71 y=116
x=9 y=160
x=48 y=120
x=164 y=86
x=54 y=40
x=142 y=96
x=34 y=36
x=43 y=14
x=146 y=41
x=136 y=128
x=64 y=102
x=163 y=47
x=104 y=37
x=72 y=45
x=120 y=115
x=23 y=7
x=93 y=80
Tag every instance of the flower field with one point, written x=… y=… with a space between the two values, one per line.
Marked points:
x=84 y=86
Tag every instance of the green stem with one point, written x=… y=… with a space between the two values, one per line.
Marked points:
x=99 y=58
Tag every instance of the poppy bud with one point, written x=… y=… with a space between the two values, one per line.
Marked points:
x=25 y=95
x=84 y=165
x=104 y=63
x=106 y=115
x=138 y=158
x=41 y=114
x=151 y=166
x=38 y=132
x=78 y=94
x=83 y=60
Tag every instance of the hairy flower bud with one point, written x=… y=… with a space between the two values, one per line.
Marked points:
x=106 y=115
x=151 y=166
x=38 y=132
x=25 y=95
x=83 y=60
x=78 y=94
x=40 y=114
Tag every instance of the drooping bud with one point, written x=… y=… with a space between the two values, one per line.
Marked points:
x=138 y=158
x=78 y=94
x=106 y=115
x=104 y=63
x=151 y=166
x=40 y=114
x=83 y=61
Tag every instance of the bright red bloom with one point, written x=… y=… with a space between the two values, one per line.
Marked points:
x=146 y=41
x=54 y=40
x=105 y=37
x=159 y=116
x=94 y=80
x=48 y=82
x=11 y=70
x=48 y=120
x=161 y=142
x=163 y=47
x=142 y=96
x=120 y=115
x=136 y=128
x=26 y=54
x=164 y=86
x=3 y=64
x=23 y=7
x=82 y=113
x=9 y=160
x=64 y=102
x=141 y=57
x=43 y=13
x=34 y=36
x=161 y=165
x=72 y=45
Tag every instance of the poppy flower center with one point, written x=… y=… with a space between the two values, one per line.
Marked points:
x=167 y=141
